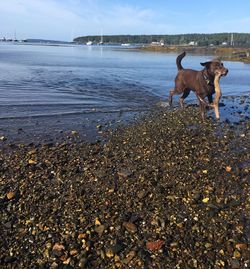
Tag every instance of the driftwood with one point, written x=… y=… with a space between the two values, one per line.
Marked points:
x=217 y=95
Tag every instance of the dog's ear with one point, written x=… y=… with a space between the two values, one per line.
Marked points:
x=206 y=64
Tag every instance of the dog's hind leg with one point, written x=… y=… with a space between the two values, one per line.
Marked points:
x=172 y=92
x=170 y=98
x=184 y=95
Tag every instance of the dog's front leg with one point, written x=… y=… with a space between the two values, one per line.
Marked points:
x=202 y=110
x=203 y=105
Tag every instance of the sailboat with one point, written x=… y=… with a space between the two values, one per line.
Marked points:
x=89 y=43
x=101 y=42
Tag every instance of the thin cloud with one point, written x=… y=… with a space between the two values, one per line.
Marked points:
x=127 y=17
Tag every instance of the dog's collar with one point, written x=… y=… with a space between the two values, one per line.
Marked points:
x=208 y=81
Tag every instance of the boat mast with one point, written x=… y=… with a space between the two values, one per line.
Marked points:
x=232 y=39
x=101 y=42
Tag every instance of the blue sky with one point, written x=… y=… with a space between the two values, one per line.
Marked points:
x=66 y=19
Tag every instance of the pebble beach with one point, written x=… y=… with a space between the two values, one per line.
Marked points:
x=165 y=191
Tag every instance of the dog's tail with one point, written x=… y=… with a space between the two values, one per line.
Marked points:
x=178 y=60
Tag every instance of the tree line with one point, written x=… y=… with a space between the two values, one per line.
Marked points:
x=239 y=39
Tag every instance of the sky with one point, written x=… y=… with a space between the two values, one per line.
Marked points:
x=67 y=19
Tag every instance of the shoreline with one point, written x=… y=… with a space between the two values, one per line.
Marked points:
x=98 y=125
x=165 y=190
x=226 y=53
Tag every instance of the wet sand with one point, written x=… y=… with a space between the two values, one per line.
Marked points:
x=165 y=191
x=79 y=127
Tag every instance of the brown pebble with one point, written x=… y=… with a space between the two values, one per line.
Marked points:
x=10 y=195
x=58 y=249
x=100 y=229
x=54 y=265
x=124 y=173
x=73 y=252
x=241 y=246
x=129 y=226
x=129 y=257
x=81 y=236
x=155 y=245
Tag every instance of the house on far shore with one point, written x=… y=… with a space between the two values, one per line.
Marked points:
x=224 y=44
x=192 y=43
x=157 y=43
x=162 y=43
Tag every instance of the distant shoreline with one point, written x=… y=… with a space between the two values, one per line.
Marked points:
x=226 y=53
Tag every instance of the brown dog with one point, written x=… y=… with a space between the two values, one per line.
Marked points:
x=201 y=82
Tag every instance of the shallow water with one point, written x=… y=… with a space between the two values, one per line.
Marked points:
x=51 y=82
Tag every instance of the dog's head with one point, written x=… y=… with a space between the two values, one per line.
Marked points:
x=215 y=67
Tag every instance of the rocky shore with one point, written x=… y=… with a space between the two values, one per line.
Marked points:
x=226 y=53
x=167 y=191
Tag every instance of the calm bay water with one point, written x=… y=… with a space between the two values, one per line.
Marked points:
x=57 y=81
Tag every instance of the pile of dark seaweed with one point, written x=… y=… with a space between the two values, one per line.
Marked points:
x=166 y=192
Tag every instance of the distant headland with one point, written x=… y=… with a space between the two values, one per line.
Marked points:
x=234 y=39
x=229 y=46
